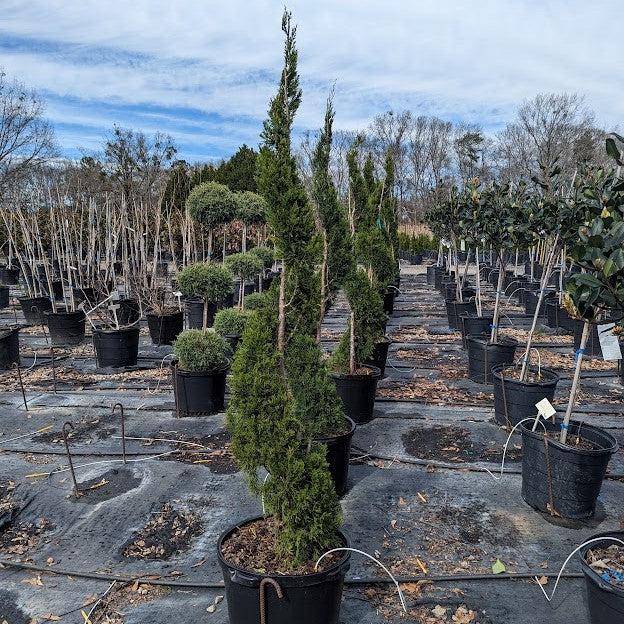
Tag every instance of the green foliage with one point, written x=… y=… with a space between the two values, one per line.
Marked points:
x=265 y=255
x=211 y=204
x=212 y=282
x=244 y=265
x=255 y=301
x=230 y=322
x=239 y=172
x=251 y=208
x=417 y=243
x=178 y=187
x=367 y=307
x=199 y=351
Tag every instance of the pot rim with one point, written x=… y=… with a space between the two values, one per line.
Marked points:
x=503 y=341
x=204 y=373
x=348 y=434
x=497 y=371
x=121 y=330
x=376 y=374
x=295 y=579
x=525 y=430
x=167 y=315
x=589 y=572
x=61 y=313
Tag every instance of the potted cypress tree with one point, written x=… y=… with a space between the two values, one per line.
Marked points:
x=282 y=401
x=564 y=463
x=200 y=367
x=230 y=323
x=204 y=285
x=245 y=266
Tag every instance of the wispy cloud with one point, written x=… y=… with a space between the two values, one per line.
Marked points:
x=204 y=71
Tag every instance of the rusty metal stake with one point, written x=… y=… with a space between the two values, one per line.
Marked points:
x=53 y=370
x=123 y=429
x=278 y=590
x=21 y=383
x=67 y=427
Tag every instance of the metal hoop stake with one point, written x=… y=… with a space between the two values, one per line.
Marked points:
x=53 y=369
x=278 y=590
x=123 y=429
x=67 y=427
x=21 y=383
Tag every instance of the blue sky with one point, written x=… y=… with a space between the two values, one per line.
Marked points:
x=203 y=71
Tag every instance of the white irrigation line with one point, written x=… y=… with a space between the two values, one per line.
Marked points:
x=565 y=563
x=28 y=435
x=381 y=565
x=93 y=608
x=201 y=446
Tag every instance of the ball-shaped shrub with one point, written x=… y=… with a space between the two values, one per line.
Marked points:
x=208 y=280
x=230 y=322
x=212 y=204
x=201 y=351
x=265 y=254
x=244 y=265
x=255 y=301
x=251 y=208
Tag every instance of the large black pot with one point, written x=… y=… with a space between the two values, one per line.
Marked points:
x=357 y=393
x=605 y=601
x=195 y=313
x=525 y=288
x=129 y=311
x=338 y=452
x=116 y=348
x=4 y=297
x=85 y=294
x=450 y=292
x=9 y=347
x=380 y=356
x=34 y=309
x=456 y=309
x=531 y=297
x=306 y=599
x=474 y=326
x=483 y=356
x=562 y=479
x=9 y=276
x=198 y=393
x=439 y=275
x=592 y=347
x=66 y=328
x=388 y=301
x=164 y=329
x=515 y=400
x=431 y=274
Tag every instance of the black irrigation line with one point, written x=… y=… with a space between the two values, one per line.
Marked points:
x=190 y=584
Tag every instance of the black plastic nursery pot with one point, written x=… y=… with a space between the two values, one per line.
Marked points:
x=456 y=309
x=66 y=328
x=306 y=599
x=357 y=393
x=450 y=292
x=198 y=393
x=524 y=288
x=592 y=347
x=472 y=325
x=9 y=347
x=605 y=601
x=431 y=274
x=4 y=297
x=564 y=479
x=195 y=313
x=34 y=309
x=164 y=329
x=338 y=452
x=57 y=290
x=388 y=301
x=439 y=274
x=233 y=341
x=484 y=356
x=515 y=399
x=379 y=357
x=116 y=348
x=9 y=275
x=85 y=294
x=129 y=311
x=531 y=297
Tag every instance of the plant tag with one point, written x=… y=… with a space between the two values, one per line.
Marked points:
x=546 y=409
x=609 y=342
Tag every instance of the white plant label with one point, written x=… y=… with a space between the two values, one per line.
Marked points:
x=546 y=409
x=609 y=342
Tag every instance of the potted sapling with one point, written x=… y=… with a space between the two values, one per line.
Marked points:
x=282 y=404
x=245 y=267
x=266 y=277
x=202 y=359
x=251 y=212
x=204 y=285
x=165 y=317
x=564 y=463
x=230 y=324
x=496 y=213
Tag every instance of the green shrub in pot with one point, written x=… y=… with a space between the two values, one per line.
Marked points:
x=230 y=322
x=244 y=266
x=198 y=351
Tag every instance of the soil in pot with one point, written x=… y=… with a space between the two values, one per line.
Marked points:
x=475 y=326
x=116 y=348
x=357 y=392
x=34 y=309
x=246 y=555
x=198 y=393
x=514 y=399
x=9 y=347
x=66 y=328
x=379 y=358
x=164 y=328
x=338 y=452
x=195 y=313
x=484 y=356
x=603 y=567
x=456 y=309
x=564 y=479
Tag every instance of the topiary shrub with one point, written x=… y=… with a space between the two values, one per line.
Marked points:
x=245 y=266
x=265 y=255
x=255 y=301
x=212 y=282
x=230 y=322
x=199 y=351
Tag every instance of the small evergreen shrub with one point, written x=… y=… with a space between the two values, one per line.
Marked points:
x=265 y=255
x=251 y=208
x=255 y=301
x=201 y=351
x=230 y=322
x=245 y=266
x=210 y=281
x=211 y=204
